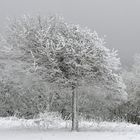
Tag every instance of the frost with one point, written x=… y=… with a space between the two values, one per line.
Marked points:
x=66 y=53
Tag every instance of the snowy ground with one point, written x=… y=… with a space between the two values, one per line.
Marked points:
x=14 y=129
x=61 y=135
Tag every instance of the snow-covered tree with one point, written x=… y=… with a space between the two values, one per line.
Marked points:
x=132 y=79
x=66 y=55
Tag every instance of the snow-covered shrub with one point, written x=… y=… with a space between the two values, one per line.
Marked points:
x=131 y=110
x=21 y=94
x=49 y=120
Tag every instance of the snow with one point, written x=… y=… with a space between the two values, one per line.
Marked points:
x=62 y=135
x=21 y=129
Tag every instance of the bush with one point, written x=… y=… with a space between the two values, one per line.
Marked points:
x=21 y=102
x=129 y=112
x=49 y=120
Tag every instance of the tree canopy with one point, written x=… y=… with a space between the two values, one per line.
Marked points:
x=66 y=53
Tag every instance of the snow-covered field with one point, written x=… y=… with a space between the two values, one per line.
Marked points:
x=20 y=129
x=61 y=135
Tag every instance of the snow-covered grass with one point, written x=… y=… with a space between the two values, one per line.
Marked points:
x=55 y=122
x=12 y=128
x=48 y=120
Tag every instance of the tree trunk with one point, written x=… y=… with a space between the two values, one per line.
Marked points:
x=74 y=110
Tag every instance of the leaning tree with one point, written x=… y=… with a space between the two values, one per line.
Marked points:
x=67 y=55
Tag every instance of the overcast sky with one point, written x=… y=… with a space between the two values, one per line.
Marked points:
x=119 y=20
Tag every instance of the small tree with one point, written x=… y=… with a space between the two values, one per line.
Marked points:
x=67 y=55
x=132 y=79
